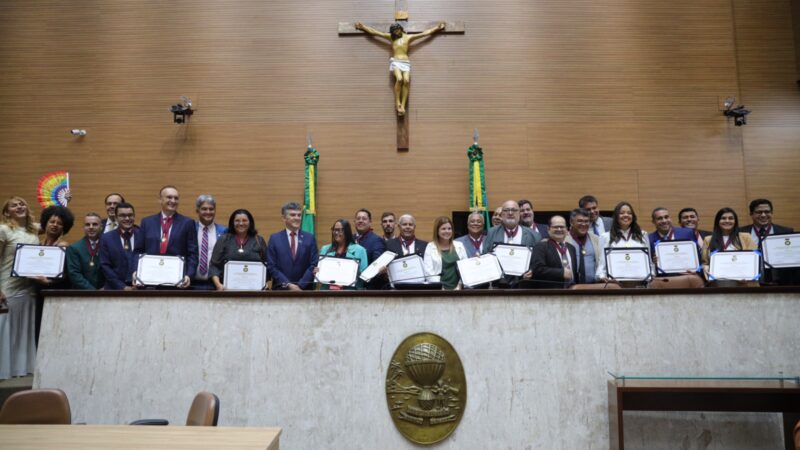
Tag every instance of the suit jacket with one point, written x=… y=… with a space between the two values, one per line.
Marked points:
x=680 y=234
x=547 y=267
x=219 y=230
x=374 y=245
x=785 y=276
x=497 y=235
x=466 y=241
x=182 y=240
x=595 y=240
x=776 y=229
x=396 y=245
x=82 y=275
x=116 y=265
x=543 y=231
x=283 y=268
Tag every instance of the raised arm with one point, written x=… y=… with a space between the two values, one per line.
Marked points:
x=369 y=30
x=428 y=32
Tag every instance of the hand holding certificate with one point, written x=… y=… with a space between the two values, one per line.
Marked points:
x=514 y=259
x=160 y=270
x=245 y=276
x=782 y=250
x=479 y=270
x=39 y=261
x=340 y=271
x=677 y=256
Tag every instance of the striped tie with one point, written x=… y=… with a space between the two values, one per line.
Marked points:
x=203 y=269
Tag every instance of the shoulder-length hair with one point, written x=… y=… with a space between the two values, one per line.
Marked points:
x=442 y=220
x=615 y=233
x=716 y=237
x=30 y=222
x=250 y=231
x=347 y=231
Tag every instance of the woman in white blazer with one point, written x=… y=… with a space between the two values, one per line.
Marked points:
x=624 y=232
x=441 y=255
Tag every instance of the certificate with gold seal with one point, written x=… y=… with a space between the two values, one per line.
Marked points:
x=159 y=270
x=628 y=264
x=741 y=265
x=782 y=250
x=245 y=276
x=334 y=270
x=408 y=269
x=479 y=270
x=514 y=259
x=677 y=256
x=39 y=261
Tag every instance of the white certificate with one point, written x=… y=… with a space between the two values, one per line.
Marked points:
x=628 y=264
x=39 y=260
x=782 y=250
x=382 y=261
x=514 y=259
x=245 y=276
x=479 y=270
x=677 y=256
x=159 y=270
x=341 y=271
x=408 y=269
x=743 y=265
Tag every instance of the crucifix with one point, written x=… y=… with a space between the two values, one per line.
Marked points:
x=401 y=34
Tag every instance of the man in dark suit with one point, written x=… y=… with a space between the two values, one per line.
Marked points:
x=666 y=232
x=761 y=214
x=372 y=243
x=527 y=218
x=83 y=260
x=117 y=257
x=110 y=222
x=554 y=262
x=206 y=232
x=292 y=254
x=689 y=218
x=598 y=224
x=170 y=233
x=407 y=243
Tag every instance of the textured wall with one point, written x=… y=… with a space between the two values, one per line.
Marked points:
x=536 y=365
x=619 y=98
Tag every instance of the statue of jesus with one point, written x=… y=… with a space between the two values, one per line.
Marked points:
x=399 y=64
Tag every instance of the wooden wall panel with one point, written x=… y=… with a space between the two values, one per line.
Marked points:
x=619 y=99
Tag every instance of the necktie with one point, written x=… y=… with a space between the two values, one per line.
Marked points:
x=112 y=225
x=203 y=267
x=126 y=238
x=293 y=244
x=165 y=226
x=762 y=234
x=594 y=229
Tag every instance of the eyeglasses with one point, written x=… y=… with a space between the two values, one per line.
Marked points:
x=337 y=230
x=510 y=210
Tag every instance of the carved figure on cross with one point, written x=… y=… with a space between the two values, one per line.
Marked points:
x=399 y=63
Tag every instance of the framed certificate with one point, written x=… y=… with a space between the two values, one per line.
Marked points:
x=479 y=270
x=159 y=270
x=372 y=270
x=333 y=270
x=782 y=250
x=677 y=256
x=408 y=269
x=39 y=261
x=514 y=259
x=245 y=276
x=741 y=265
x=628 y=264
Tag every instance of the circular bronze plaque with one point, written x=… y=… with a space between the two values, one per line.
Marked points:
x=426 y=389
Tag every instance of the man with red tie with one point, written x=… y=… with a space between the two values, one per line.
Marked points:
x=291 y=253
x=170 y=233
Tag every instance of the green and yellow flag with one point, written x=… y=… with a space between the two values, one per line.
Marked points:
x=477 y=183
x=310 y=197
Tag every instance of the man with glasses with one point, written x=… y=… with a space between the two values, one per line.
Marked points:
x=761 y=214
x=554 y=262
x=117 y=257
x=587 y=245
x=509 y=231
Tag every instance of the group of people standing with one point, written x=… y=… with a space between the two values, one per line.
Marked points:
x=566 y=251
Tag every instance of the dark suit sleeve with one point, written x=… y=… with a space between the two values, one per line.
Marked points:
x=74 y=270
x=313 y=258
x=377 y=250
x=541 y=271
x=278 y=277
x=191 y=249
x=108 y=268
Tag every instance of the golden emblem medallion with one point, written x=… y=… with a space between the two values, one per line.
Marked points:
x=405 y=265
x=675 y=248
x=160 y=262
x=41 y=252
x=511 y=253
x=426 y=389
x=245 y=268
x=734 y=258
x=627 y=256
x=787 y=242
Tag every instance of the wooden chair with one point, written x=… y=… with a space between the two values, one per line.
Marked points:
x=204 y=412
x=36 y=407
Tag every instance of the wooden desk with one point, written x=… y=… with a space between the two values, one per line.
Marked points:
x=109 y=437
x=702 y=395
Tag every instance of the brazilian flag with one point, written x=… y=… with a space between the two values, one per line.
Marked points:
x=310 y=196
x=477 y=184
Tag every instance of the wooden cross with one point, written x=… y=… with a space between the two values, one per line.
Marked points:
x=401 y=15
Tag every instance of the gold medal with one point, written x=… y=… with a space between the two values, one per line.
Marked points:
x=91 y=263
x=564 y=261
x=126 y=248
x=241 y=250
x=583 y=251
x=164 y=239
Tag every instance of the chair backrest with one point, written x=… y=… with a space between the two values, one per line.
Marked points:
x=36 y=407
x=204 y=411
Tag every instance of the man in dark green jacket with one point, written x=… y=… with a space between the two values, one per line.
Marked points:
x=83 y=257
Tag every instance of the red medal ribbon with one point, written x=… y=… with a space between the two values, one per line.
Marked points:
x=477 y=243
x=510 y=234
x=408 y=243
x=670 y=236
x=580 y=240
x=727 y=244
x=92 y=249
x=240 y=242
x=166 y=224
x=359 y=238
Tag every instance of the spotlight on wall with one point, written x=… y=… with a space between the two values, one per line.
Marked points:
x=739 y=113
x=77 y=132
x=182 y=111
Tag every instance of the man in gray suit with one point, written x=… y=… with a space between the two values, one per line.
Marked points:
x=473 y=240
x=598 y=225
x=509 y=231
x=585 y=242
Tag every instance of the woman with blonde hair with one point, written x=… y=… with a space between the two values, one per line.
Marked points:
x=441 y=255
x=17 y=348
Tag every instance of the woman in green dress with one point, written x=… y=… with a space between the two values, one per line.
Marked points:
x=442 y=254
